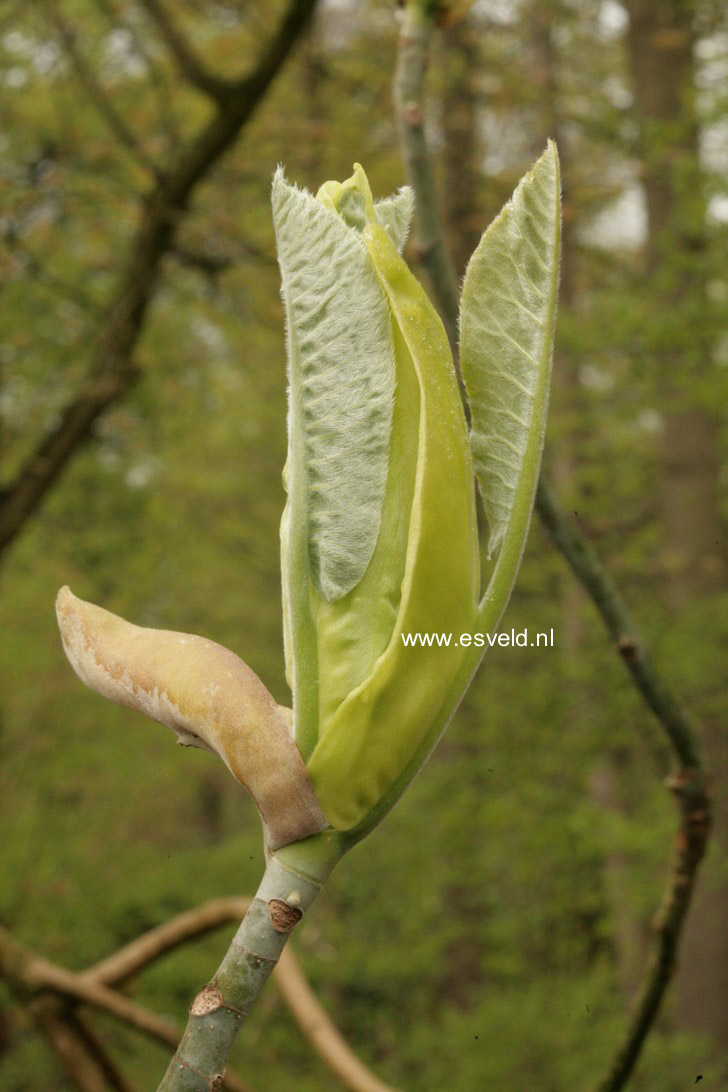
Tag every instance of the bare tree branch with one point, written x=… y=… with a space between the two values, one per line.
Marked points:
x=675 y=719
x=60 y=287
x=320 y=1030
x=160 y=79
x=85 y=1066
x=156 y=942
x=98 y=99
x=29 y=974
x=695 y=819
x=21 y=966
x=409 y=93
x=188 y=63
x=112 y=370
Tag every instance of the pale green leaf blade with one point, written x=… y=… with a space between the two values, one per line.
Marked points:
x=395 y=215
x=507 y=319
x=341 y=360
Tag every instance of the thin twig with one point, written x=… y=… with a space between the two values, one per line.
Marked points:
x=67 y=290
x=19 y=964
x=98 y=99
x=674 y=717
x=159 y=78
x=689 y=783
x=693 y=800
x=190 y=66
x=221 y=1008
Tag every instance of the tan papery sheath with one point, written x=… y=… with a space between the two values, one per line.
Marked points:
x=211 y=699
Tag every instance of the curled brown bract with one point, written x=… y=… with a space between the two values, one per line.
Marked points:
x=208 y=696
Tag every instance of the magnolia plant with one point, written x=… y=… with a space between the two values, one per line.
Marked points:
x=379 y=541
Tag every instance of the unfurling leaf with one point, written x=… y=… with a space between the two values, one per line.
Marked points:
x=208 y=696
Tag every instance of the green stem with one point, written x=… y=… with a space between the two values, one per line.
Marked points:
x=409 y=79
x=293 y=877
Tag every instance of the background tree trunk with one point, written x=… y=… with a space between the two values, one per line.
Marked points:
x=661 y=53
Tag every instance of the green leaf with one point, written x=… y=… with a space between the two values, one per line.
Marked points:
x=507 y=319
x=341 y=361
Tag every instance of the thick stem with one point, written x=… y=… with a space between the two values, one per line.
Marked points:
x=292 y=879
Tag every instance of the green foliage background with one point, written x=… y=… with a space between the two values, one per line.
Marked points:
x=471 y=941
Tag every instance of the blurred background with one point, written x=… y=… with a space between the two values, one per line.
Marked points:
x=491 y=933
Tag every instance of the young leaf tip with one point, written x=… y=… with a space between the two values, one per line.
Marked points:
x=507 y=320
x=207 y=695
